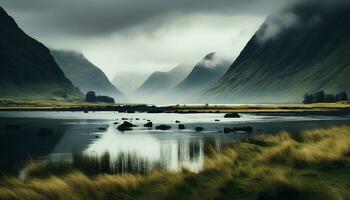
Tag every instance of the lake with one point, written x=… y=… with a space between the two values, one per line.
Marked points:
x=40 y=136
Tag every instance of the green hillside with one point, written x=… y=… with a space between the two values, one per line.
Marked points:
x=308 y=54
x=85 y=75
x=28 y=71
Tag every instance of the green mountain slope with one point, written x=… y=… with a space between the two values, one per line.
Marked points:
x=28 y=71
x=85 y=75
x=204 y=74
x=305 y=49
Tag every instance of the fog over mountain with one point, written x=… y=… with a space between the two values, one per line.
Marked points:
x=159 y=84
x=142 y=36
x=304 y=48
x=129 y=82
x=209 y=70
x=85 y=75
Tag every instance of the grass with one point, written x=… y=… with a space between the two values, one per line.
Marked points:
x=281 y=108
x=123 y=163
x=340 y=107
x=313 y=165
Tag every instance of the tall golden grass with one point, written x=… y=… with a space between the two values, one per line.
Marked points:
x=318 y=147
x=290 y=168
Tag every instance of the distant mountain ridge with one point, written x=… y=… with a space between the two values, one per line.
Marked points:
x=129 y=82
x=162 y=81
x=28 y=70
x=209 y=70
x=309 y=52
x=158 y=84
x=85 y=75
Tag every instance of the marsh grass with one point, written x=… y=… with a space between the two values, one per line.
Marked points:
x=319 y=148
x=90 y=165
x=303 y=167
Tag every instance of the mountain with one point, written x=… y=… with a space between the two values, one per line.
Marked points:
x=129 y=82
x=162 y=81
x=28 y=71
x=304 y=50
x=85 y=75
x=209 y=70
x=158 y=84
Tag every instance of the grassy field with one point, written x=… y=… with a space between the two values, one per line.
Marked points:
x=268 y=108
x=342 y=107
x=312 y=165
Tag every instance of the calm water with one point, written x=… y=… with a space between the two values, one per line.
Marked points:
x=76 y=131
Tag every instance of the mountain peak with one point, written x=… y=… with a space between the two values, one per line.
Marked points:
x=210 y=56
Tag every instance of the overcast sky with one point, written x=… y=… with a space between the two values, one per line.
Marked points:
x=142 y=35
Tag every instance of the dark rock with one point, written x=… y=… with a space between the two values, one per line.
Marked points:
x=198 y=129
x=86 y=111
x=247 y=129
x=137 y=119
x=45 y=132
x=102 y=129
x=232 y=115
x=148 y=125
x=125 y=118
x=163 y=127
x=11 y=126
x=182 y=127
x=96 y=136
x=217 y=120
x=177 y=121
x=126 y=126
x=116 y=123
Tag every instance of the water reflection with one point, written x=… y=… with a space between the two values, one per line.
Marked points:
x=174 y=149
x=175 y=153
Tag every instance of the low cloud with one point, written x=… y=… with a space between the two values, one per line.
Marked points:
x=298 y=12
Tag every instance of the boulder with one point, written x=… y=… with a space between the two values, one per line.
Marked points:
x=102 y=129
x=163 y=127
x=148 y=125
x=198 y=129
x=182 y=127
x=247 y=129
x=126 y=126
x=232 y=115
x=177 y=121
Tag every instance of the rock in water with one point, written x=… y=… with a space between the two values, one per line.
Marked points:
x=247 y=129
x=126 y=126
x=198 y=129
x=163 y=127
x=182 y=127
x=148 y=125
x=232 y=115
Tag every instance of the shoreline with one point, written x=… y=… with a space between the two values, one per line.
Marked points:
x=331 y=108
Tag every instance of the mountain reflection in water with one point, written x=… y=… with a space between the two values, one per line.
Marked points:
x=176 y=149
